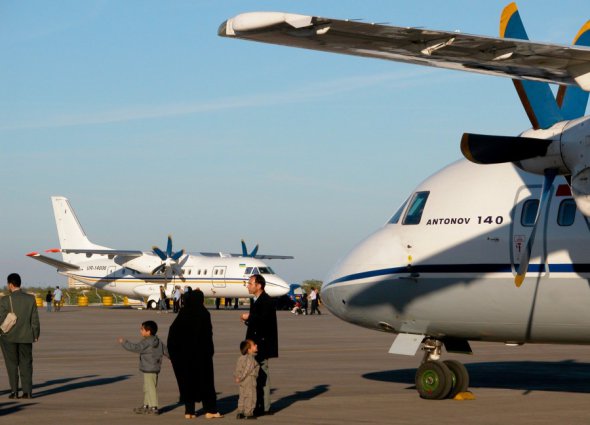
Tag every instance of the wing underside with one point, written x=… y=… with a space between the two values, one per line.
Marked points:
x=519 y=59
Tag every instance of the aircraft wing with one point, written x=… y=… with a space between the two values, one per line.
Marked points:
x=113 y=252
x=61 y=265
x=519 y=59
x=259 y=257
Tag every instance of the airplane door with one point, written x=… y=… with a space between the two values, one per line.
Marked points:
x=111 y=276
x=219 y=276
x=526 y=205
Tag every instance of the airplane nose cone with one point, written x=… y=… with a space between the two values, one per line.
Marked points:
x=275 y=286
x=343 y=291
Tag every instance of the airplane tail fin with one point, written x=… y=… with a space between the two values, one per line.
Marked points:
x=536 y=97
x=573 y=100
x=70 y=232
x=542 y=108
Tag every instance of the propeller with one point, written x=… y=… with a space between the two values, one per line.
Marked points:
x=526 y=254
x=169 y=259
x=245 y=250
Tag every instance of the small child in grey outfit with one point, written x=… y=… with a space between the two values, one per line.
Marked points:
x=151 y=350
x=245 y=374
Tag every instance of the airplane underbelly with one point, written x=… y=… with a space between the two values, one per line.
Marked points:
x=490 y=309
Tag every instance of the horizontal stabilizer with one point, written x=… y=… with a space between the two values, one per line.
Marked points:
x=61 y=265
x=485 y=149
x=259 y=257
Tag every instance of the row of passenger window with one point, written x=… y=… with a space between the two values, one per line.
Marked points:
x=566 y=214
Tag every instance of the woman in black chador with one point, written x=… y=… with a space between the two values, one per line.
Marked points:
x=190 y=345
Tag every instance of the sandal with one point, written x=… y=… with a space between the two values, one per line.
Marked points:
x=213 y=415
x=190 y=416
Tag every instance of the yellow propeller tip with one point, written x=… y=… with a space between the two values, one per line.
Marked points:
x=518 y=280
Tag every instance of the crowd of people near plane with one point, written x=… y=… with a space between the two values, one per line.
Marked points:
x=189 y=347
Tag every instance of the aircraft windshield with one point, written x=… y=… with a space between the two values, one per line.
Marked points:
x=414 y=213
x=266 y=270
x=398 y=213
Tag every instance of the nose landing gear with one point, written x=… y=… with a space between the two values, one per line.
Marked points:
x=435 y=379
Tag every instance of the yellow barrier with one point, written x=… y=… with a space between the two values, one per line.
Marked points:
x=83 y=301
x=39 y=301
x=107 y=300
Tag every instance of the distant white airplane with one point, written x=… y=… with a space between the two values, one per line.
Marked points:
x=140 y=273
x=447 y=268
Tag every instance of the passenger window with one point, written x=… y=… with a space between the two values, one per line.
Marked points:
x=529 y=212
x=398 y=213
x=414 y=212
x=567 y=212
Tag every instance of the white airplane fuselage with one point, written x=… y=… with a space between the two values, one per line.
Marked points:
x=215 y=276
x=452 y=274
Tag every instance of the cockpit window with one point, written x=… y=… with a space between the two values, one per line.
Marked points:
x=265 y=270
x=567 y=212
x=248 y=270
x=529 y=212
x=414 y=212
x=398 y=213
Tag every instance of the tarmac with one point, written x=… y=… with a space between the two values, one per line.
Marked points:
x=328 y=372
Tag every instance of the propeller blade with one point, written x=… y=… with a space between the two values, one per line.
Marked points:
x=254 y=251
x=485 y=149
x=169 y=246
x=244 y=249
x=159 y=253
x=177 y=255
x=526 y=254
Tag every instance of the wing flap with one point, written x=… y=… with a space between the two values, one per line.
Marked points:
x=520 y=59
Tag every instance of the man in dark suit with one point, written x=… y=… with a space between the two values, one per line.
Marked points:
x=262 y=329
x=17 y=344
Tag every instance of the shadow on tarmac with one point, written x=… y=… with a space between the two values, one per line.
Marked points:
x=70 y=386
x=13 y=407
x=229 y=403
x=563 y=376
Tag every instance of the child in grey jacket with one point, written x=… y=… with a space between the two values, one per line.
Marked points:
x=151 y=350
x=245 y=374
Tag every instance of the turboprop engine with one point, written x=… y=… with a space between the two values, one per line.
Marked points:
x=562 y=149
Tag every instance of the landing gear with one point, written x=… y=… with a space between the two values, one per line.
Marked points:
x=435 y=379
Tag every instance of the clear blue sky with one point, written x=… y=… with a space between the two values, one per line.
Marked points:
x=152 y=124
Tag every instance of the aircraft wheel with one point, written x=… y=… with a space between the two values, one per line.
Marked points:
x=151 y=305
x=459 y=375
x=433 y=380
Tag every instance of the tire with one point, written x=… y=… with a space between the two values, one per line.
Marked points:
x=433 y=380
x=459 y=375
x=151 y=305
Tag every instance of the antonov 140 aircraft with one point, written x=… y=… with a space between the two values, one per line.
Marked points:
x=140 y=274
x=495 y=252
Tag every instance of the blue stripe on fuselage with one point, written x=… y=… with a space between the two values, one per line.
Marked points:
x=461 y=268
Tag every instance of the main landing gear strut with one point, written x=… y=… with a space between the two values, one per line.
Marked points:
x=435 y=379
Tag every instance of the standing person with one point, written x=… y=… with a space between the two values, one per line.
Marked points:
x=190 y=344
x=262 y=329
x=176 y=296
x=304 y=302
x=162 y=303
x=151 y=350
x=48 y=300
x=246 y=374
x=315 y=301
x=57 y=296
x=17 y=344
